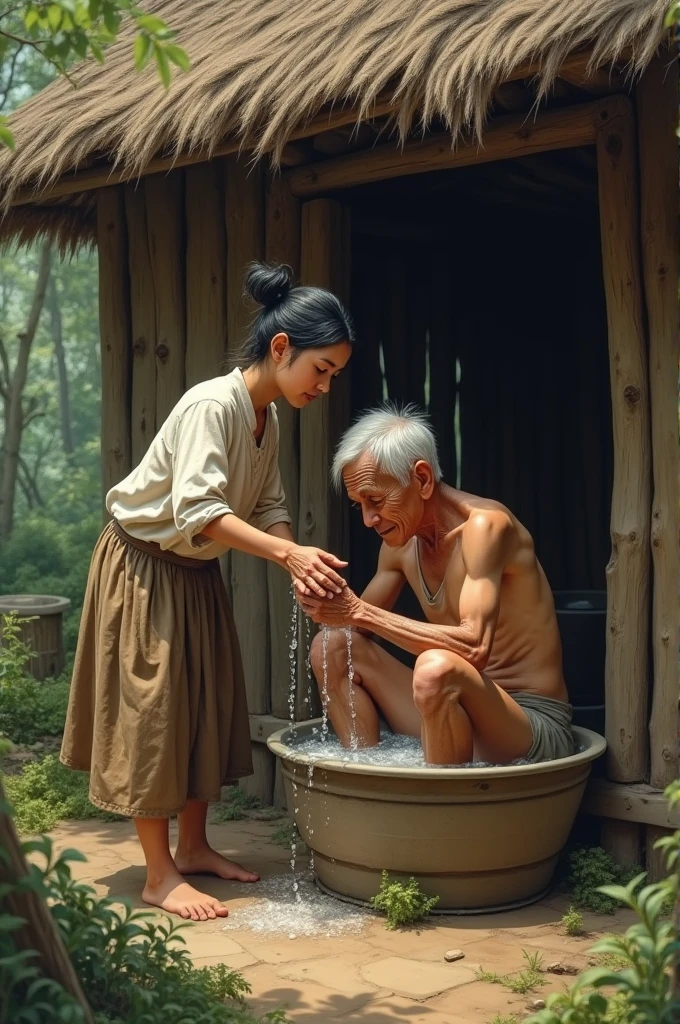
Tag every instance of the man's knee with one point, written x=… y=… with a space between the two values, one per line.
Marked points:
x=333 y=654
x=438 y=677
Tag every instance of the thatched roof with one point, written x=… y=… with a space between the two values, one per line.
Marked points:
x=262 y=67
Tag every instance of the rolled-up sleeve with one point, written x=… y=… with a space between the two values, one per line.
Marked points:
x=200 y=470
x=271 y=504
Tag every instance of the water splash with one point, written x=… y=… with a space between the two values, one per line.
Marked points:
x=275 y=911
x=325 y=699
x=353 y=738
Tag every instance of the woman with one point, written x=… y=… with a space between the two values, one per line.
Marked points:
x=158 y=711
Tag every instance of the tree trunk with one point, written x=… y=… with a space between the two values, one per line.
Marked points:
x=14 y=422
x=40 y=932
x=60 y=355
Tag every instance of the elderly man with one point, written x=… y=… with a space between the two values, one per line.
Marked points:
x=487 y=682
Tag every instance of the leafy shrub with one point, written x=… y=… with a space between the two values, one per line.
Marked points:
x=286 y=834
x=524 y=981
x=402 y=902
x=636 y=969
x=235 y=806
x=590 y=869
x=132 y=966
x=48 y=792
x=28 y=709
x=573 y=922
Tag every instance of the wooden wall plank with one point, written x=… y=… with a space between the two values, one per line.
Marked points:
x=657 y=104
x=164 y=199
x=115 y=330
x=206 y=260
x=626 y=672
x=143 y=313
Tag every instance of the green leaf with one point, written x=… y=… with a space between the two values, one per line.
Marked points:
x=31 y=18
x=111 y=21
x=94 y=9
x=73 y=856
x=142 y=51
x=672 y=17
x=177 y=55
x=97 y=51
x=6 y=137
x=163 y=66
x=54 y=17
x=10 y=922
x=151 y=24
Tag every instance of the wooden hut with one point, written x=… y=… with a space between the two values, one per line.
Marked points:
x=492 y=185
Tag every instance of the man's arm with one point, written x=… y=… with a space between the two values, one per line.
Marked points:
x=385 y=587
x=488 y=541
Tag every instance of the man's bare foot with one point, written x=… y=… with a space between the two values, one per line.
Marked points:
x=207 y=861
x=176 y=896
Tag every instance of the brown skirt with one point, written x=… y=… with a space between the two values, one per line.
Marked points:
x=157 y=711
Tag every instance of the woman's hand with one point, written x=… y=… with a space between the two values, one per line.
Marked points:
x=340 y=612
x=313 y=571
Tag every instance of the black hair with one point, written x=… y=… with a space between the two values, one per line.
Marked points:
x=311 y=317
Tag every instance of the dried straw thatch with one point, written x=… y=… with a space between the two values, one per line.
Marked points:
x=260 y=68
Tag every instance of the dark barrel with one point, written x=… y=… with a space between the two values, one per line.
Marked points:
x=581 y=617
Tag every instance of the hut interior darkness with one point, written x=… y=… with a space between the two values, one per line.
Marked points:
x=521 y=289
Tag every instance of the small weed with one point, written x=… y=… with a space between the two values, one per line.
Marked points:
x=573 y=922
x=235 y=806
x=286 y=834
x=522 y=982
x=402 y=902
x=511 y=1018
x=589 y=869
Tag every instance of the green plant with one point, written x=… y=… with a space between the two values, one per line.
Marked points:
x=286 y=834
x=132 y=966
x=524 y=981
x=573 y=922
x=402 y=902
x=234 y=806
x=28 y=709
x=590 y=870
x=633 y=982
x=511 y=1018
x=48 y=792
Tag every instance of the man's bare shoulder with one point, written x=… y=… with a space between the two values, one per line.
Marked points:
x=393 y=559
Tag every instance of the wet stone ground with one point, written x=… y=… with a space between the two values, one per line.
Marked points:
x=325 y=961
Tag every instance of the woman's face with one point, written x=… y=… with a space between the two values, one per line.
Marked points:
x=310 y=373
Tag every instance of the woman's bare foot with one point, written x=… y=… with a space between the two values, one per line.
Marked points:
x=176 y=896
x=206 y=861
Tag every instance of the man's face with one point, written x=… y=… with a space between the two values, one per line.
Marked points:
x=392 y=510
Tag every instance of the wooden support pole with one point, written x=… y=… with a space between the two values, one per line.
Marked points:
x=508 y=136
x=655 y=860
x=657 y=105
x=143 y=316
x=244 y=219
x=206 y=259
x=623 y=841
x=114 y=326
x=324 y=263
x=282 y=245
x=39 y=932
x=626 y=674
x=164 y=199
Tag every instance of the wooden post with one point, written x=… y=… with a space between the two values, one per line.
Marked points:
x=206 y=259
x=622 y=840
x=40 y=932
x=282 y=245
x=143 y=315
x=114 y=326
x=244 y=218
x=164 y=198
x=657 y=105
x=626 y=674
x=655 y=860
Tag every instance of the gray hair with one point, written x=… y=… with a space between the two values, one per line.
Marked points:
x=396 y=437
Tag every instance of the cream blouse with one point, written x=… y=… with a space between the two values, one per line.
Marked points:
x=203 y=463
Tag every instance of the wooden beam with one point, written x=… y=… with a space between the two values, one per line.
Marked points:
x=206 y=260
x=264 y=726
x=165 y=223
x=505 y=137
x=326 y=120
x=282 y=245
x=637 y=804
x=626 y=672
x=657 y=105
x=244 y=218
x=114 y=326
x=143 y=310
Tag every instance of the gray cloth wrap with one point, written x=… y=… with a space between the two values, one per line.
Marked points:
x=551 y=726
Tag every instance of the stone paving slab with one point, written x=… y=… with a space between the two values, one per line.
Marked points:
x=375 y=977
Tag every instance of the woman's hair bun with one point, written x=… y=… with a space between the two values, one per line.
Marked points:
x=268 y=283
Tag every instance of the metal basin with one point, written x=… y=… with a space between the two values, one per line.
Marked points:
x=481 y=839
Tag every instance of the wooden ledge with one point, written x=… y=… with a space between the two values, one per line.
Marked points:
x=635 y=803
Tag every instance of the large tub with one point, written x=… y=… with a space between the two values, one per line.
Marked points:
x=481 y=839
